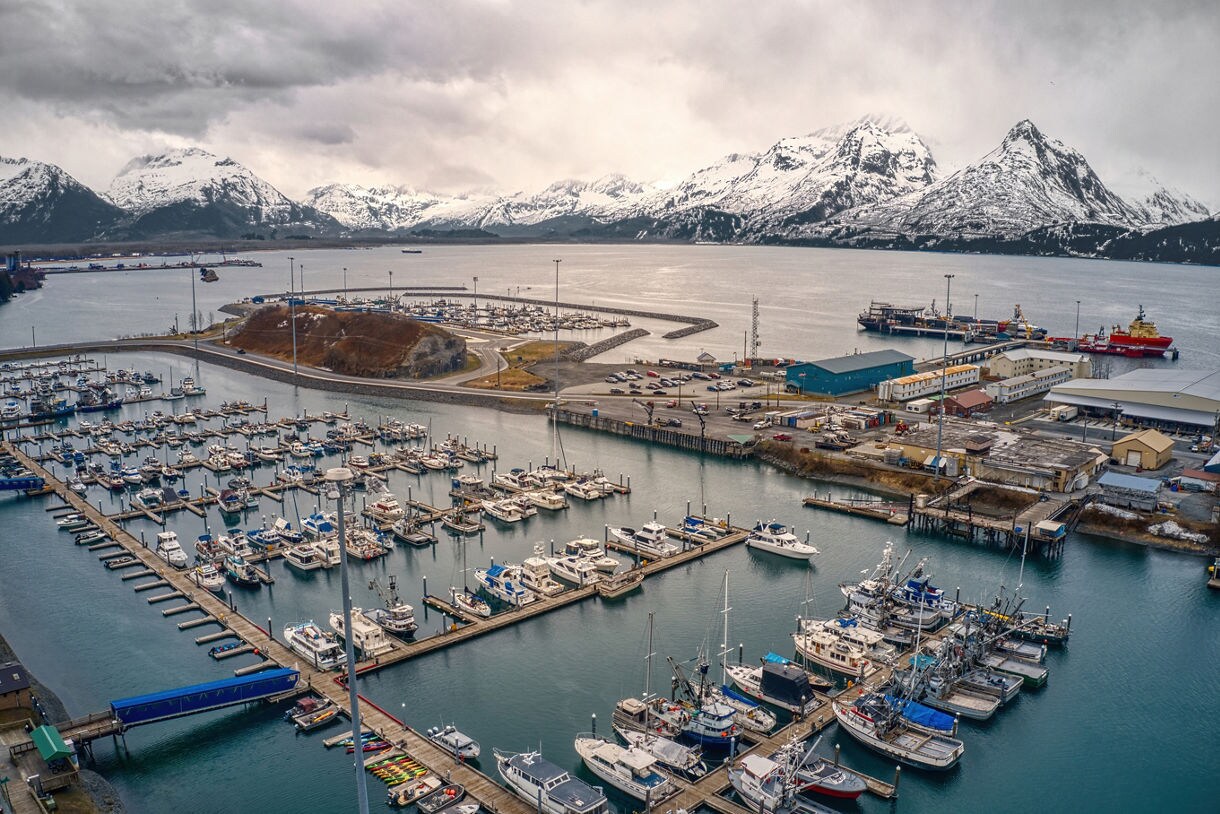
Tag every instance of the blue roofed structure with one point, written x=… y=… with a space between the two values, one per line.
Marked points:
x=848 y=374
x=159 y=706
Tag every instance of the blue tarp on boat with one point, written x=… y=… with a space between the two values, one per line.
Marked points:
x=925 y=716
x=775 y=658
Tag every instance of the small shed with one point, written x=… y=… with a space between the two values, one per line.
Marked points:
x=1147 y=449
x=1199 y=480
x=50 y=744
x=968 y=403
x=1128 y=491
x=14 y=686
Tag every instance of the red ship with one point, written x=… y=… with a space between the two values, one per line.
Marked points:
x=1140 y=339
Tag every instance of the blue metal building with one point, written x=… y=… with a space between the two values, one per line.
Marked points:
x=159 y=706
x=848 y=374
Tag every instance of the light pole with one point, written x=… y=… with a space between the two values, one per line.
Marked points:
x=944 y=375
x=555 y=408
x=391 y=289
x=302 y=279
x=194 y=315
x=476 y=298
x=1076 y=333
x=336 y=480
x=345 y=283
x=1118 y=411
x=292 y=311
x=800 y=385
x=976 y=307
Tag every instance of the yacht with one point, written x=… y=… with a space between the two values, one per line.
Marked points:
x=543 y=784
x=576 y=570
x=503 y=510
x=869 y=642
x=593 y=552
x=513 y=480
x=234 y=543
x=649 y=541
x=11 y=411
x=319 y=648
x=147 y=499
x=777 y=539
x=367 y=636
x=319 y=525
x=303 y=557
x=546 y=499
x=536 y=574
x=824 y=648
x=504 y=583
x=583 y=490
x=627 y=768
x=170 y=550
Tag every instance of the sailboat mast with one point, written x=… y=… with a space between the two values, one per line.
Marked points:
x=724 y=643
x=648 y=662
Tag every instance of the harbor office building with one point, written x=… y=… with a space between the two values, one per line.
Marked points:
x=915 y=385
x=1024 y=361
x=1031 y=384
x=1161 y=398
x=847 y=374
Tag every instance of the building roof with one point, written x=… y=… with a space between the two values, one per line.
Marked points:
x=13 y=678
x=1213 y=465
x=861 y=361
x=50 y=743
x=1129 y=482
x=1019 y=354
x=971 y=399
x=1045 y=373
x=1196 y=390
x=934 y=374
x=1199 y=474
x=1152 y=439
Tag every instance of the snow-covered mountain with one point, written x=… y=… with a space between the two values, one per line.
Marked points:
x=1162 y=205
x=190 y=190
x=360 y=208
x=40 y=203
x=810 y=178
x=1029 y=181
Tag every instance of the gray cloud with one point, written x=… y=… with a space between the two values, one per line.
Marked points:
x=515 y=95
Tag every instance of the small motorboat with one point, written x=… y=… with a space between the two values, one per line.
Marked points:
x=454 y=742
x=446 y=796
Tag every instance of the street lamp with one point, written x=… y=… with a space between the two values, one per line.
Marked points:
x=337 y=479
x=292 y=311
x=976 y=307
x=1118 y=412
x=1076 y=333
x=476 y=299
x=345 y=283
x=800 y=385
x=944 y=375
x=391 y=289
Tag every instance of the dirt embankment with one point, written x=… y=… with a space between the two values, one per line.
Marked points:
x=374 y=345
x=827 y=466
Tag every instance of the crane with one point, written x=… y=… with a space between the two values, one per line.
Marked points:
x=389 y=595
x=648 y=408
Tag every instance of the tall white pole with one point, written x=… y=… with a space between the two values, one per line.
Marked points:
x=338 y=479
x=944 y=375
x=292 y=311
x=555 y=409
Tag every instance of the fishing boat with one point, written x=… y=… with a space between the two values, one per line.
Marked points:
x=454 y=742
x=593 y=552
x=240 y=571
x=945 y=694
x=775 y=538
x=536 y=574
x=1032 y=675
x=848 y=629
x=469 y=603
x=815 y=774
x=169 y=549
x=769 y=787
x=824 y=648
x=459 y=522
x=396 y=617
x=779 y=683
x=364 y=544
x=988 y=682
x=504 y=583
x=650 y=540
x=880 y=726
x=409 y=532
x=310 y=712
x=444 y=798
x=319 y=648
x=368 y=637
x=630 y=770
x=385 y=509
x=677 y=759
x=540 y=782
x=207 y=577
x=303 y=557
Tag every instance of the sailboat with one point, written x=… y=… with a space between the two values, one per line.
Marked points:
x=650 y=714
x=750 y=714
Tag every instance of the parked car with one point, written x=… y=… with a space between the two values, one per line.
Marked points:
x=616 y=391
x=674 y=422
x=758 y=425
x=671 y=403
x=745 y=383
x=782 y=436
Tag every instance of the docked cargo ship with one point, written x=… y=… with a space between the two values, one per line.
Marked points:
x=1140 y=339
x=907 y=320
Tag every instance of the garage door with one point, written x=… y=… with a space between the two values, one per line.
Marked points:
x=1133 y=457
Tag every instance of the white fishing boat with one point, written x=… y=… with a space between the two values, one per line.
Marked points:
x=206 y=576
x=303 y=557
x=775 y=538
x=169 y=549
x=368 y=637
x=676 y=758
x=385 y=509
x=454 y=742
x=848 y=629
x=593 y=552
x=769 y=787
x=824 y=648
x=316 y=646
x=543 y=784
x=650 y=540
x=576 y=570
x=780 y=684
x=875 y=722
x=630 y=770
x=536 y=574
x=504 y=583
x=470 y=604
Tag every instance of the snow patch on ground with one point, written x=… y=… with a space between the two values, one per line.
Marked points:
x=1115 y=511
x=1172 y=529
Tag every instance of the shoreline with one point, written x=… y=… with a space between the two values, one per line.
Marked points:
x=104 y=797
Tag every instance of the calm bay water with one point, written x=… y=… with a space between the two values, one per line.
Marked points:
x=1122 y=722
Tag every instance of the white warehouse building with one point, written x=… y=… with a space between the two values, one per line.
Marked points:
x=1163 y=398
x=1022 y=387
x=916 y=385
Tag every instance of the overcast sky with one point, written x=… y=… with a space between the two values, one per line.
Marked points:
x=454 y=96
